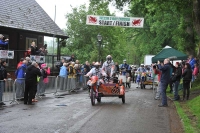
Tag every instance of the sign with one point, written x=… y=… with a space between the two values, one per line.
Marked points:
x=115 y=21
x=38 y=59
x=6 y=54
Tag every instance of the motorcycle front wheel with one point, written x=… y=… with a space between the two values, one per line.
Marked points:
x=92 y=96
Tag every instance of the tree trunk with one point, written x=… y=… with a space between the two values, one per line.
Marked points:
x=196 y=21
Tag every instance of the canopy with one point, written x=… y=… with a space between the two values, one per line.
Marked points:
x=169 y=52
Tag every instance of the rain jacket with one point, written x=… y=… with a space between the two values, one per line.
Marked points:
x=31 y=74
x=109 y=68
x=63 y=72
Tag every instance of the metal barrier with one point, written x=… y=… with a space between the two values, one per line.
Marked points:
x=47 y=85
x=19 y=87
x=62 y=84
x=14 y=90
x=6 y=90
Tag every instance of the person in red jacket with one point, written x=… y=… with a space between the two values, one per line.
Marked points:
x=196 y=71
x=158 y=73
x=20 y=63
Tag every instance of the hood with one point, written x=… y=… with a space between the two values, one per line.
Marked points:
x=30 y=67
x=43 y=66
x=23 y=65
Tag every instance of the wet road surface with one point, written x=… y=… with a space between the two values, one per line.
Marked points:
x=75 y=114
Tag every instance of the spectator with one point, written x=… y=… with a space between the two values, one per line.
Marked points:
x=28 y=61
x=3 y=78
x=92 y=66
x=116 y=67
x=177 y=74
x=196 y=71
x=72 y=59
x=187 y=77
x=71 y=77
x=32 y=72
x=158 y=73
x=45 y=49
x=164 y=81
x=27 y=53
x=134 y=70
x=172 y=70
x=86 y=67
x=20 y=75
x=45 y=71
x=34 y=49
x=3 y=42
x=77 y=67
x=63 y=74
x=192 y=61
x=63 y=60
x=20 y=63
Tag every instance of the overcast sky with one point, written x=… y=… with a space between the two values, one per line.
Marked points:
x=62 y=8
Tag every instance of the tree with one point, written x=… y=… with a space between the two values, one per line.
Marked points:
x=83 y=38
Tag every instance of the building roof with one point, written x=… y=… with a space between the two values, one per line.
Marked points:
x=28 y=15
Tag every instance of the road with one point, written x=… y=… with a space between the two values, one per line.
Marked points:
x=74 y=114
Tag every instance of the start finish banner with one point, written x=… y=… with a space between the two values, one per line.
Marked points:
x=115 y=21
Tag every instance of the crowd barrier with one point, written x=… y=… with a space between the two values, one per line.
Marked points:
x=47 y=85
x=13 y=90
x=7 y=89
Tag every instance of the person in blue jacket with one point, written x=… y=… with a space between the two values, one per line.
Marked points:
x=20 y=74
x=164 y=81
x=192 y=61
x=3 y=42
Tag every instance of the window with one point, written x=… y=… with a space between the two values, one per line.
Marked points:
x=29 y=41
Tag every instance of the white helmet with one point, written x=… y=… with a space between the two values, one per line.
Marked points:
x=109 y=59
x=97 y=65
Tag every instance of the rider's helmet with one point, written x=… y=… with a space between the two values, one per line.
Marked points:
x=109 y=59
x=124 y=61
x=142 y=65
x=97 y=65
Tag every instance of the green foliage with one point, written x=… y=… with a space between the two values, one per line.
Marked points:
x=168 y=22
x=83 y=38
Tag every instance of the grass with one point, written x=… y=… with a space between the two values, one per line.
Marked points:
x=189 y=111
x=194 y=106
x=188 y=128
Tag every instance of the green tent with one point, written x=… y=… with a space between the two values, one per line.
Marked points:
x=169 y=52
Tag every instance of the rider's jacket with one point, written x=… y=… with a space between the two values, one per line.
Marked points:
x=96 y=72
x=124 y=68
x=141 y=69
x=109 y=68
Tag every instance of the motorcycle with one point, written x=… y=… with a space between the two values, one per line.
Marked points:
x=108 y=88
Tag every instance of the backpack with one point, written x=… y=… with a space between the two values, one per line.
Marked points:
x=1 y=73
x=71 y=70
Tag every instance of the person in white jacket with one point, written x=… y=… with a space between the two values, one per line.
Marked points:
x=109 y=66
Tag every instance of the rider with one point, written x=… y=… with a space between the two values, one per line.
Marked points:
x=96 y=71
x=141 y=74
x=125 y=68
x=109 y=66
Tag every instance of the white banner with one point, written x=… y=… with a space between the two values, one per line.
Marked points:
x=38 y=59
x=115 y=21
x=6 y=54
